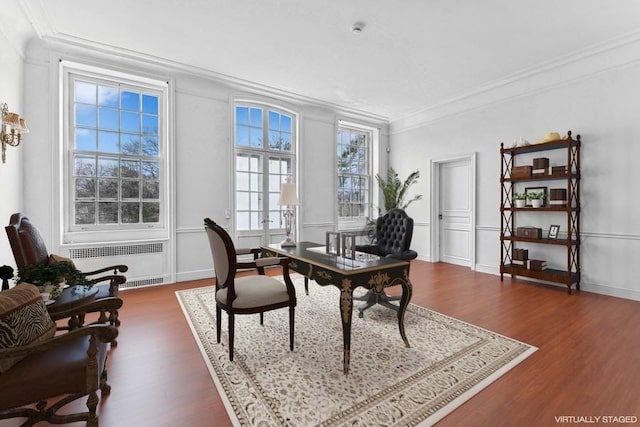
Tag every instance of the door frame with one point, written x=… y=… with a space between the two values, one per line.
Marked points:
x=435 y=168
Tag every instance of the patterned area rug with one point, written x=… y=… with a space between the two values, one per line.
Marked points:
x=388 y=384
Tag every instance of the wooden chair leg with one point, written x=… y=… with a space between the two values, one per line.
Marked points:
x=306 y=285
x=261 y=319
x=218 y=323
x=231 y=335
x=291 y=326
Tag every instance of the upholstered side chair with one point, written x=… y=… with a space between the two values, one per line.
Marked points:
x=41 y=372
x=28 y=248
x=249 y=294
x=394 y=231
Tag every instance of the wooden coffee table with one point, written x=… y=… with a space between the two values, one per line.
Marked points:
x=70 y=300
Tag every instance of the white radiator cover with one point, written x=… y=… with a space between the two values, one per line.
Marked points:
x=147 y=262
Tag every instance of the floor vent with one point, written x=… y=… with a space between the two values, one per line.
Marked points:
x=142 y=283
x=109 y=251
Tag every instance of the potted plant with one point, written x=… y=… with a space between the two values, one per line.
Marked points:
x=519 y=200
x=51 y=278
x=536 y=198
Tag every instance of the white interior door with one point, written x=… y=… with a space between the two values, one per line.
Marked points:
x=456 y=212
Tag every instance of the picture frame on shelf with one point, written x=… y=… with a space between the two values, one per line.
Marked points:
x=529 y=191
x=554 y=230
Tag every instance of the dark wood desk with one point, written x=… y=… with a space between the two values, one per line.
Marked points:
x=310 y=260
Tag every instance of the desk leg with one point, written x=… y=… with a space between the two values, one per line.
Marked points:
x=346 y=313
x=407 y=291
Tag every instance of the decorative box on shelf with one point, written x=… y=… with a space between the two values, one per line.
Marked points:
x=536 y=264
x=540 y=166
x=529 y=232
x=558 y=197
x=558 y=170
x=521 y=172
x=520 y=257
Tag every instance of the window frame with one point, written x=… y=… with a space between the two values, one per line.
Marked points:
x=70 y=72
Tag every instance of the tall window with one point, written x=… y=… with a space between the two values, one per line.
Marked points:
x=354 y=173
x=116 y=162
x=265 y=157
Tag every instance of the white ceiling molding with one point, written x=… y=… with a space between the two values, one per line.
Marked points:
x=603 y=57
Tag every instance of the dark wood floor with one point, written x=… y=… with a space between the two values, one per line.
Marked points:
x=588 y=362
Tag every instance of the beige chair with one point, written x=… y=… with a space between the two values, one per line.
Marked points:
x=41 y=373
x=250 y=294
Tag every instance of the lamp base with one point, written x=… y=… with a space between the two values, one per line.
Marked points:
x=287 y=243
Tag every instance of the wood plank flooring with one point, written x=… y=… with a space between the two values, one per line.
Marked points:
x=588 y=362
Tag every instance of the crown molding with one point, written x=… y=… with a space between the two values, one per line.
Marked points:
x=582 y=64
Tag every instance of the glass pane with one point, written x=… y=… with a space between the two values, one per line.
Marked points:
x=276 y=217
x=242 y=201
x=85 y=213
x=274 y=140
x=86 y=139
x=85 y=166
x=85 y=115
x=107 y=118
x=285 y=141
x=255 y=137
x=150 y=146
x=129 y=144
x=85 y=92
x=274 y=165
x=150 y=104
x=130 y=189
x=255 y=116
x=255 y=221
x=130 y=122
x=130 y=101
x=242 y=115
x=242 y=181
x=254 y=199
x=273 y=199
x=242 y=163
x=151 y=170
x=108 y=142
x=242 y=220
x=85 y=188
x=150 y=212
x=242 y=135
x=107 y=213
x=254 y=164
x=150 y=124
x=274 y=121
x=130 y=213
x=151 y=190
x=255 y=182
x=107 y=167
x=130 y=169
x=285 y=124
x=108 y=96
x=108 y=189
x=274 y=183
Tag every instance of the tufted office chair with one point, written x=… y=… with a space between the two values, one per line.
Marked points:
x=394 y=231
x=28 y=248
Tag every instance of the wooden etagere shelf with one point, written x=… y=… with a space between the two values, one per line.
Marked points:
x=508 y=212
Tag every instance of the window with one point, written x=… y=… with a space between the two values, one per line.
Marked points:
x=265 y=157
x=354 y=173
x=116 y=146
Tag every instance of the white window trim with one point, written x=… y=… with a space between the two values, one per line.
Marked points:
x=138 y=232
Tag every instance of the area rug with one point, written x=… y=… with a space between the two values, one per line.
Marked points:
x=388 y=384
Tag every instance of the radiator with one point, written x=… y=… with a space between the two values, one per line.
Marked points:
x=146 y=261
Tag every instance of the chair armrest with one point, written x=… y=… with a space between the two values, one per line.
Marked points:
x=369 y=249
x=405 y=256
x=105 y=333
x=102 y=304
x=116 y=269
x=247 y=251
x=113 y=279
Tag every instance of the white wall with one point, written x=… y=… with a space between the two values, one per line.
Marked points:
x=203 y=153
x=11 y=92
x=596 y=97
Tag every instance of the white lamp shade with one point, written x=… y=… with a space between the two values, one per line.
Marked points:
x=288 y=195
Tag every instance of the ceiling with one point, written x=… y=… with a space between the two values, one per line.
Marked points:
x=410 y=56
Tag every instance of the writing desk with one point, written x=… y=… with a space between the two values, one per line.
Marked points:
x=310 y=260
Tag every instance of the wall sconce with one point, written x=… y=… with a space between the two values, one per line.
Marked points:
x=289 y=199
x=13 y=127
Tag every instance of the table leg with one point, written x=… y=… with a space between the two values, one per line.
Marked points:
x=407 y=291
x=346 y=313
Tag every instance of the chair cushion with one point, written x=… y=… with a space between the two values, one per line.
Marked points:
x=255 y=291
x=23 y=319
